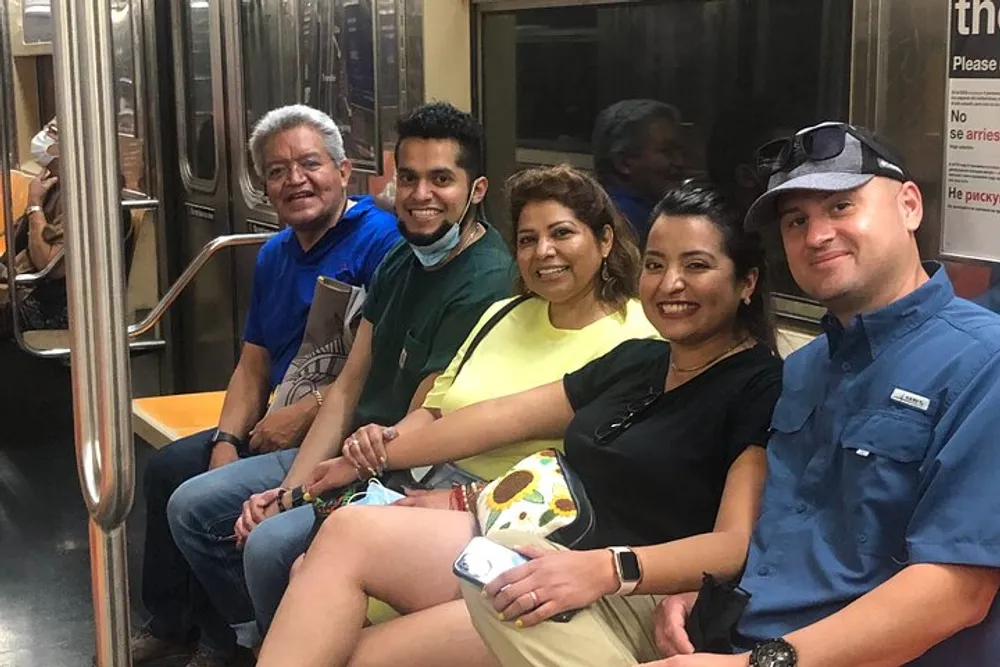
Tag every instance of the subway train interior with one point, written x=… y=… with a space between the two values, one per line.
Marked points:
x=189 y=79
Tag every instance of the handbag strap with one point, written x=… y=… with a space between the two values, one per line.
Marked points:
x=492 y=322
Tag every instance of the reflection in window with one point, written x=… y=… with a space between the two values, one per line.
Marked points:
x=978 y=283
x=738 y=74
x=199 y=129
x=315 y=52
x=37 y=21
x=123 y=43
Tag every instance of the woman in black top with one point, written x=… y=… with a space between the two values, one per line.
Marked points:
x=684 y=473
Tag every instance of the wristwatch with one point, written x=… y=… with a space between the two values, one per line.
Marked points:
x=774 y=653
x=628 y=569
x=222 y=436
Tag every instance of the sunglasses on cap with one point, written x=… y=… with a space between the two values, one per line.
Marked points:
x=823 y=142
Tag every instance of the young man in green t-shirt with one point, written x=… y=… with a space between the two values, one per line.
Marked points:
x=426 y=296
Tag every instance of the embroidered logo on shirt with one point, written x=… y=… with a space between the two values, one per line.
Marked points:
x=910 y=399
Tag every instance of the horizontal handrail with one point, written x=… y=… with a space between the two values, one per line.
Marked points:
x=32 y=278
x=206 y=253
x=156 y=314
x=140 y=204
x=24 y=279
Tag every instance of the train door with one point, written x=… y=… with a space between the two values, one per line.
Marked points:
x=207 y=320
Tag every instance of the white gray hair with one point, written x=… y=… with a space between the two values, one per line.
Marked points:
x=290 y=117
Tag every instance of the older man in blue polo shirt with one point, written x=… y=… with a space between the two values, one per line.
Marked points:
x=879 y=538
x=299 y=154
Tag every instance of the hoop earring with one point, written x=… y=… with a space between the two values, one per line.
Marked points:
x=605 y=274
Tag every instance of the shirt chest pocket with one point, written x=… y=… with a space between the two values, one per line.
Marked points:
x=412 y=358
x=881 y=458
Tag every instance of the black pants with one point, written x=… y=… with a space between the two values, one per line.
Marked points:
x=170 y=591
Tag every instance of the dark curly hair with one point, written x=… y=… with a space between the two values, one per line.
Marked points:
x=618 y=280
x=440 y=120
x=742 y=247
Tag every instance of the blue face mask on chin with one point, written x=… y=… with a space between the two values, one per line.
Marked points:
x=376 y=494
x=437 y=251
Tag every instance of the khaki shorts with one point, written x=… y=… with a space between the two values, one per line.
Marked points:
x=613 y=632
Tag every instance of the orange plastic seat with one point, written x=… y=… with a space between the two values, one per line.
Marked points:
x=159 y=420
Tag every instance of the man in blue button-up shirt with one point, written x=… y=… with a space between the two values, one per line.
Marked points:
x=879 y=538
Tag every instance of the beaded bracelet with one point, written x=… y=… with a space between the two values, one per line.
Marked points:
x=458 y=498
x=474 y=489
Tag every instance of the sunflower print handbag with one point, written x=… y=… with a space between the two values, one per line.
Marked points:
x=540 y=495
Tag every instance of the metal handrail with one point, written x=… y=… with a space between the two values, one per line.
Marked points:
x=95 y=289
x=7 y=141
x=159 y=310
x=206 y=253
x=32 y=278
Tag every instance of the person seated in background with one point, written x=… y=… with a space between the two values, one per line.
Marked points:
x=579 y=272
x=299 y=154
x=638 y=156
x=877 y=540
x=666 y=438
x=38 y=242
x=427 y=295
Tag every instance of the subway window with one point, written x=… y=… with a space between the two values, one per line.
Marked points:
x=199 y=122
x=707 y=81
x=320 y=53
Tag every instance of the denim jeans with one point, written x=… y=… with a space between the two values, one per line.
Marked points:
x=202 y=514
x=177 y=602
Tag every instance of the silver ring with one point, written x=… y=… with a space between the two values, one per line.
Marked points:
x=354 y=442
x=535 y=604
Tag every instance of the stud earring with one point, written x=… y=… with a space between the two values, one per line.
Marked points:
x=746 y=300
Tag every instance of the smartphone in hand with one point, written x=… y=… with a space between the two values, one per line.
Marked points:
x=483 y=560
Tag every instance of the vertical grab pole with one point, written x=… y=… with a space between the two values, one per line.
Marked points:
x=88 y=143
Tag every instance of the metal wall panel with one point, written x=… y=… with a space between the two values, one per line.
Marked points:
x=898 y=89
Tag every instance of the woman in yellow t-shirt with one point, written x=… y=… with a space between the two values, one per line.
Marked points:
x=579 y=269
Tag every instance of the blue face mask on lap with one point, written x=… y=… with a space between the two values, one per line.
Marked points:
x=376 y=494
x=435 y=252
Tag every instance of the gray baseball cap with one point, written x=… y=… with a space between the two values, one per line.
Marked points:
x=864 y=156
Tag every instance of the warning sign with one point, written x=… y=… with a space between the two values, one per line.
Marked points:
x=972 y=145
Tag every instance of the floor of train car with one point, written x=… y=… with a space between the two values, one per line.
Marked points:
x=46 y=615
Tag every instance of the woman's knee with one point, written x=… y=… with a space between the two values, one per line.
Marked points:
x=347 y=525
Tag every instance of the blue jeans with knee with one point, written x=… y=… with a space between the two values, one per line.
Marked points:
x=202 y=513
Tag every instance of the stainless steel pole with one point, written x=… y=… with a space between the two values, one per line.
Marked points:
x=88 y=146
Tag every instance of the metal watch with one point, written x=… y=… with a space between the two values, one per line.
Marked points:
x=774 y=653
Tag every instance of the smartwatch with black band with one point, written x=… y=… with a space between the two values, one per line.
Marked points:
x=222 y=436
x=628 y=569
x=774 y=653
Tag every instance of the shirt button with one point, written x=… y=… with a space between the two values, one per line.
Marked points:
x=800 y=508
x=763 y=570
x=846 y=367
x=862 y=538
